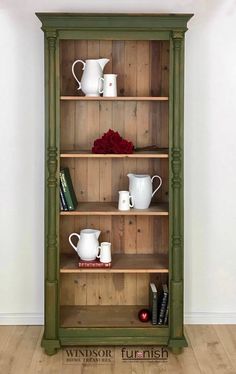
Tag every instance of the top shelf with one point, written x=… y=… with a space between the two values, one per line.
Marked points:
x=116 y=98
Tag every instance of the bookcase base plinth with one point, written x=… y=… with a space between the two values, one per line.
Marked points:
x=114 y=336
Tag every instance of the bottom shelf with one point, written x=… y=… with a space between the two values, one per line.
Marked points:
x=102 y=316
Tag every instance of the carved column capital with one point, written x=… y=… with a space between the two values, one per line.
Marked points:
x=51 y=39
x=178 y=38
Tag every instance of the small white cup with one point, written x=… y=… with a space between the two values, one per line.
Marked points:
x=125 y=201
x=109 y=85
x=105 y=252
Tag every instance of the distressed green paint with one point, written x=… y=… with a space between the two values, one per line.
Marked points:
x=114 y=35
x=113 y=26
x=114 y=340
x=176 y=189
x=102 y=332
x=51 y=211
x=155 y=22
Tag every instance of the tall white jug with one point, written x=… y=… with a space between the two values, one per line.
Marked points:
x=140 y=188
x=92 y=72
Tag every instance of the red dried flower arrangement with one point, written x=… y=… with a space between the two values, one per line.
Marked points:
x=112 y=142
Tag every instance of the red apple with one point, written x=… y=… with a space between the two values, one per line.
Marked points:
x=144 y=315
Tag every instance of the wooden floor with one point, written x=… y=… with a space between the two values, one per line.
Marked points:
x=212 y=349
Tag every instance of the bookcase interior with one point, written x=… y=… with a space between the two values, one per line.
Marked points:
x=142 y=66
x=143 y=71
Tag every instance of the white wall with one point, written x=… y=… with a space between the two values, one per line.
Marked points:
x=210 y=157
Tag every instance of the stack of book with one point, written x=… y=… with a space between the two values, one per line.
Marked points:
x=158 y=304
x=68 y=199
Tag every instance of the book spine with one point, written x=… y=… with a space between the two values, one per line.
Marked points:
x=98 y=265
x=70 y=187
x=62 y=198
x=166 y=316
x=153 y=306
x=66 y=191
x=163 y=307
x=61 y=205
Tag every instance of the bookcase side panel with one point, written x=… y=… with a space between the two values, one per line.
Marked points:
x=50 y=338
x=177 y=338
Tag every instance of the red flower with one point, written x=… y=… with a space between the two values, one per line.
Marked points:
x=112 y=142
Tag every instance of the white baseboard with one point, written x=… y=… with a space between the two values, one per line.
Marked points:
x=194 y=318
x=21 y=319
x=210 y=318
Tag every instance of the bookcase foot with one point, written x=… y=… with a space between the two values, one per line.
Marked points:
x=50 y=346
x=176 y=350
x=50 y=351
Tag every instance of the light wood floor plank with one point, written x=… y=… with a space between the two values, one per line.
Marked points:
x=44 y=364
x=5 y=334
x=209 y=351
x=227 y=336
x=212 y=350
x=18 y=352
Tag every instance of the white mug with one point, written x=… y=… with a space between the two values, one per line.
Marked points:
x=109 y=85
x=105 y=252
x=125 y=201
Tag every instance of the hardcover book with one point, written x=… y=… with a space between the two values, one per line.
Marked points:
x=93 y=264
x=166 y=315
x=163 y=305
x=67 y=189
x=153 y=302
x=62 y=199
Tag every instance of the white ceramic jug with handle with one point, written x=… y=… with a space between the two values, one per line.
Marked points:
x=87 y=246
x=109 y=85
x=92 y=72
x=140 y=188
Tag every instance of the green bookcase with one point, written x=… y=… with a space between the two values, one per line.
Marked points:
x=100 y=306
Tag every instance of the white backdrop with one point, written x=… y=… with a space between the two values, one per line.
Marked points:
x=210 y=154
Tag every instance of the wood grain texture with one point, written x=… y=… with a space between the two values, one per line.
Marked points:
x=121 y=263
x=17 y=352
x=94 y=316
x=93 y=288
x=116 y=98
x=110 y=209
x=22 y=353
x=88 y=179
x=137 y=115
x=138 y=64
x=114 y=230
x=209 y=350
x=87 y=154
x=227 y=336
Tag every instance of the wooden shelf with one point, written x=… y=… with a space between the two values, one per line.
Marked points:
x=110 y=209
x=117 y=98
x=121 y=263
x=162 y=153
x=103 y=316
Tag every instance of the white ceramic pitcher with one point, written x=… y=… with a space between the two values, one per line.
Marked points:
x=109 y=85
x=140 y=188
x=87 y=246
x=93 y=70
